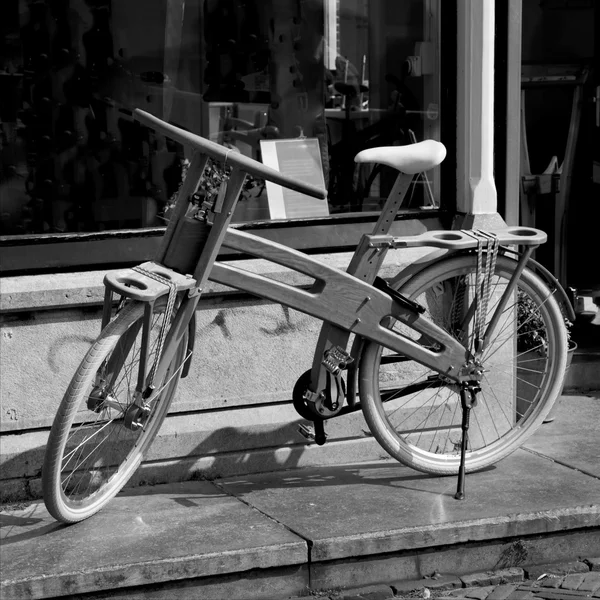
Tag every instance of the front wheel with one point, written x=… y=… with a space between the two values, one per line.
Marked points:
x=93 y=448
x=415 y=412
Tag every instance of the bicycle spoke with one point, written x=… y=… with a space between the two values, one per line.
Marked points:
x=67 y=456
x=73 y=471
x=492 y=417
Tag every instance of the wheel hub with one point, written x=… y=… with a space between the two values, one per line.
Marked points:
x=136 y=417
x=472 y=371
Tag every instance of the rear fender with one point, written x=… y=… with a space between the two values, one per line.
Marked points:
x=553 y=284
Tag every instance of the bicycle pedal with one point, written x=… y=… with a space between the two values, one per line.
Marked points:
x=336 y=359
x=316 y=434
x=306 y=431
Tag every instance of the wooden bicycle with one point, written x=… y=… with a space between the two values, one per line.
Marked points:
x=432 y=356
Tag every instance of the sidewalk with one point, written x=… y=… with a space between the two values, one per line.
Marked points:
x=299 y=532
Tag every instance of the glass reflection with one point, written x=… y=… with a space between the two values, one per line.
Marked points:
x=72 y=158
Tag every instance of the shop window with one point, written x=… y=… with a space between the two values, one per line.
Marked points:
x=384 y=57
x=248 y=74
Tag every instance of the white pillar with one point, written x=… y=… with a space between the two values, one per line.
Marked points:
x=476 y=190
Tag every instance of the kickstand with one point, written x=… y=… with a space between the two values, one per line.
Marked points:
x=468 y=401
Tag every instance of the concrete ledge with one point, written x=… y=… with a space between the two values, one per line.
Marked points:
x=144 y=537
x=276 y=583
x=414 y=565
x=225 y=464
x=442 y=534
x=68 y=290
x=207 y=433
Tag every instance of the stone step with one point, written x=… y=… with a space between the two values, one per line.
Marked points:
x=277 y=535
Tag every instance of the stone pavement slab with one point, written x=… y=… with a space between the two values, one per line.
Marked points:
x=149 y=535
x=573 y=581
x=590 y=583
x=502 y=592
x=479 y=593
x=551 y=582
x=568 y=439
x=370 y=509
x=556 y=569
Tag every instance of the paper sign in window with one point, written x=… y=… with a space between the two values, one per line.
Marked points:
x=300 y=159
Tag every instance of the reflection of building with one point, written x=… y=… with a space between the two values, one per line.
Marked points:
x=83 y=186
x=235 y=71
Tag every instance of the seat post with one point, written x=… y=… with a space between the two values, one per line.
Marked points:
x=393 y=204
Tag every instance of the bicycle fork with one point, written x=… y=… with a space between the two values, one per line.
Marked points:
x=149 y=284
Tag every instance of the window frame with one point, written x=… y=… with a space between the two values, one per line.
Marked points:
x=21 y=255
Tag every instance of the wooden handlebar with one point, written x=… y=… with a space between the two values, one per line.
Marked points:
x=227 y=156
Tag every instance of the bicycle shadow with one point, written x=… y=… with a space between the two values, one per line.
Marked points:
x=268 y=459
x=283 y=466
x=11 y=526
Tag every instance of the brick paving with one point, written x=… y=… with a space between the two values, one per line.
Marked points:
x=561 y=581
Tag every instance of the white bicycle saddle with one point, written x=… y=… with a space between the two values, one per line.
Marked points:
x=410 y=159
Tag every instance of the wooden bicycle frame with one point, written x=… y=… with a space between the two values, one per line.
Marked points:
x=346 y=302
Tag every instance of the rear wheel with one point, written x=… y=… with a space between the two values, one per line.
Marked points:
x=93 y=448
x=415 y=413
